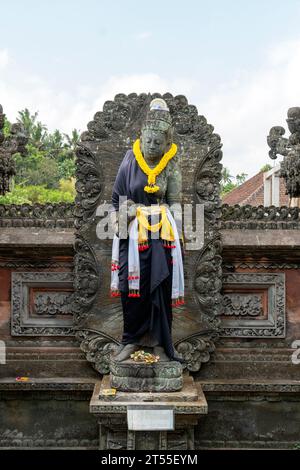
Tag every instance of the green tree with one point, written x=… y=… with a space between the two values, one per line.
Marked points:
x=36 y=131
x=50 y=156
x=266 y=167
x=229 y=182
x=240 y=179
x=226 y=176
x=6 y=128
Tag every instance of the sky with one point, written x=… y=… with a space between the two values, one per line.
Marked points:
x=237 y=61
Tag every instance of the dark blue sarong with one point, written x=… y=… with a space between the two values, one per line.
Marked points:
x=151 y=313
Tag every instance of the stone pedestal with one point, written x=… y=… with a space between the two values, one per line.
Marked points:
x=188 y=405
x=131 y=376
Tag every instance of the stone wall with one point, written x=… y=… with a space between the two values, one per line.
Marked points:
x=251 y=384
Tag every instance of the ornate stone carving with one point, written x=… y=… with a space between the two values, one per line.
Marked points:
x=276 y=142
x=9 y=145
x=13 y=264
x=231 y=266
x=97 y=349
x=196 y=350
x=242 y=305
x=16 y=439
x=126 y=111
x=58 y=215
x=26 y=286
x=272 y=321
x=129 y=376
x=52 y=303
x=89 y=181
x=263 y=355
x=61 y=215
x=208 y=283
x=244 y=388
x=115 y=436
x=290 y=149
x=86 y=279
x=259 y=217
x=99 y=154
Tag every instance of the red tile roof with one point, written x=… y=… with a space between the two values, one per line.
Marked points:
x=252 y=192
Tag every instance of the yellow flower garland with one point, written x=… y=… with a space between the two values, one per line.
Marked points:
x=152 y=173
x=166 y=230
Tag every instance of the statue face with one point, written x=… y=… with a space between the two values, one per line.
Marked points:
x=153 y=144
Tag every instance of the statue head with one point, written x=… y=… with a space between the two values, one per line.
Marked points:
x=157 y=130
x=293 y=120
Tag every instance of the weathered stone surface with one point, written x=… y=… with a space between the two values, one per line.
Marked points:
x=249 y=422
x=260 y=217
x=115 y=404
x=41 y=304
x=130 y=368
x=50 y=215
x=270 y=319
x=111 y=413
x=99 y=154
x=251 y=384
x=290 y=149
x=61 y=215
x=242 y=414
x=130 y=376
x=190 y=393
x=155 y=384
x=20 y=236
x=47 y=418
x=47 y=384
x=46 y=360
x=261 y=238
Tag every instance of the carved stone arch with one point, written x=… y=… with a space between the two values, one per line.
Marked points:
x=101 y=149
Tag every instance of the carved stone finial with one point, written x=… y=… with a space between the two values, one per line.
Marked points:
x=290 y=149
x=277 y=142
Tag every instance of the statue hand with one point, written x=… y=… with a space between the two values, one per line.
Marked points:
x=164 y=204
x=131 y=210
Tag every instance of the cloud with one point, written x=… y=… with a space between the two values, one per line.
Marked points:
x=242 y=110
x=4 y=58
x=143 y=35
x=70 y=109
x=142 y=83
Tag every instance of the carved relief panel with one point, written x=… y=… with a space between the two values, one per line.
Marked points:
x=253 y=305
x=41 y=304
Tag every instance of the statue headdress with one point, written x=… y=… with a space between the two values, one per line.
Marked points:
x=159 y=117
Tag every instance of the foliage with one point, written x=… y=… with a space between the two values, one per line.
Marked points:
x=6 y=128
x=229 y=182
x=32 y=194
x=47 y=172
x=240 y=179
x=36 y=170
x=68 y=186
x=50 y=156
x=266 y=167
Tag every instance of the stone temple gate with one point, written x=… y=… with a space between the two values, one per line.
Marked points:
x=243 y=303
x=102 y=147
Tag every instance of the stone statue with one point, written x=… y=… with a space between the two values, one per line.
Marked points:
x=150 y=179
x=129 y=149
x=290 y=149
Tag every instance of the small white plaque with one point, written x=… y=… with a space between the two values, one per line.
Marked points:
x=152 y=418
